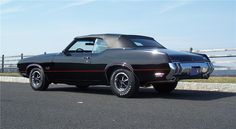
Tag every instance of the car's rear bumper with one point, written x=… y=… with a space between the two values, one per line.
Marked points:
x=179 y=70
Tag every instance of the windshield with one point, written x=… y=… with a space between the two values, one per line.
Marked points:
x=142 y=42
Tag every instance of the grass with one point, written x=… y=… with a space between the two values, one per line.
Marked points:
x=214 y=80
x=210 y=80
x=10 y=74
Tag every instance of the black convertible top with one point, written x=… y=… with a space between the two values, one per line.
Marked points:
x=115 y=40
x=111 y=36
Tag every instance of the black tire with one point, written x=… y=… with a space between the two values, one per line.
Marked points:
x=82 y=86
x=38 y=79
x=165 y=88
x=124 y=83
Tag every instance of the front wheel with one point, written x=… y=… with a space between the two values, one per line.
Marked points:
x=124 y=83
x=165 y=87
x=38 y=80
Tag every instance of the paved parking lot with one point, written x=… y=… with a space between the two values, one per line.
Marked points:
x=67 y=107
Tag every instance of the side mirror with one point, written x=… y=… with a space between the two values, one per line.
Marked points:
x=65 y=52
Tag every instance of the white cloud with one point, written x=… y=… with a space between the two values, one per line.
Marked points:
x=174 y=6
x=71 y=5
x=11 y=10
x=4 y=1
x=7 y=10
x=78 y=3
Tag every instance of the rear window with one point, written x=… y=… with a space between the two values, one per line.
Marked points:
x=141 y=42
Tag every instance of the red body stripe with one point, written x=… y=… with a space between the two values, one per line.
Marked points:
x=102 y=70
x=150 y=69
x=75 y=71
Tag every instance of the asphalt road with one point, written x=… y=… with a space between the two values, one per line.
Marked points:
x=66 y=107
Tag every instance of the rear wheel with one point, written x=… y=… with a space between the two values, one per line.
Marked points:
x=124 y=83
x=38 y=80
x=165 y=87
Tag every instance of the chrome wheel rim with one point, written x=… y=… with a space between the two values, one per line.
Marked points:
x=121 y=81
x=36 y=79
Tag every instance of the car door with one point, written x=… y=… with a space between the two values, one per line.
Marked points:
x=74 y=63
x=98 y=61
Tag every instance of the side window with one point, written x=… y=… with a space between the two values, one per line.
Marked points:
x=138 y=44
x=99 y=46
x=82 y=45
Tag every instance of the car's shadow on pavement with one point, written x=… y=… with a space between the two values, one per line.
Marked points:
x=186 y=95
x=151 y=93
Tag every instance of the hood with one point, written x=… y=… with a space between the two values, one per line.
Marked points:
x=39 y=58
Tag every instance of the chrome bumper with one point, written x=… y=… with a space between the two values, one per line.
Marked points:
x=178 y=70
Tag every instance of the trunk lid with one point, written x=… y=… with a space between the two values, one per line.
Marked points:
x=176 y=56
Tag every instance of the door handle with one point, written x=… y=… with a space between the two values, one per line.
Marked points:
x=87 y=57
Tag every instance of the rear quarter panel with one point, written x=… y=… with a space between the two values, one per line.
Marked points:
x=144 y=63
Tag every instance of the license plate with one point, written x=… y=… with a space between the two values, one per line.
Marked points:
x=194 y=71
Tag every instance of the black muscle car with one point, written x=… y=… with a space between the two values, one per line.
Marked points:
x=125 y=62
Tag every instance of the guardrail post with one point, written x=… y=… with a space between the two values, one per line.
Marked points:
x=191 y=49
x=21 y=56
x=2 y=64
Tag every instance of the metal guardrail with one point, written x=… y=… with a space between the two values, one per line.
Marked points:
x=220 y=56
x=9 y=63
x=213 y=50
x=223 y=59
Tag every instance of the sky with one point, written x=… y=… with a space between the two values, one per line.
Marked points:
x=37 y=26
